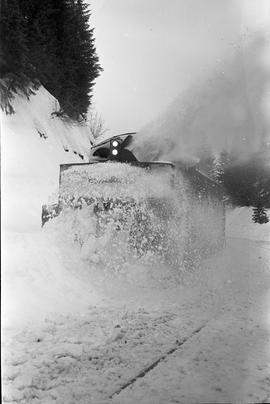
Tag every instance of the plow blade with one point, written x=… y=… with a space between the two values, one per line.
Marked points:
x=156 y=212
x=134 y=207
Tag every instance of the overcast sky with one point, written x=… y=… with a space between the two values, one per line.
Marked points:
x=152 y=51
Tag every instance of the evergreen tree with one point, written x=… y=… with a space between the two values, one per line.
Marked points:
x=248 y=184
x=15 y=67
x=42 y=39
x=260 y=215
x=13 y=39
x=221 y=163
x=50 y=42
x=207 y=158
x=80 y=62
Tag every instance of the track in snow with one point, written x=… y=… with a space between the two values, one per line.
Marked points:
x=152 y=365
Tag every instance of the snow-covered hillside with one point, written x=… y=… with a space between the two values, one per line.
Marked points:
x=102 y=329
x=34 y=143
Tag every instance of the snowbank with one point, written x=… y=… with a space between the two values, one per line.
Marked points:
x=34 y=143
x=35 y=277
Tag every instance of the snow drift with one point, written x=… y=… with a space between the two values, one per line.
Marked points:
x=34 y=143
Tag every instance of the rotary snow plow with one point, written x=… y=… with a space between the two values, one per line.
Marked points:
x=124 y=210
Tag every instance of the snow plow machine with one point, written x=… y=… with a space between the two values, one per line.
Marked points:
x=124 y=210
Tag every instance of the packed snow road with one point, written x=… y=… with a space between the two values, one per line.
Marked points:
x=141 y=345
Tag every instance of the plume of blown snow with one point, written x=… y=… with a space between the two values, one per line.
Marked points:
x=228 y=110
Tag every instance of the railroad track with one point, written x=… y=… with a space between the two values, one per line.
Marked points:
x=177 y=345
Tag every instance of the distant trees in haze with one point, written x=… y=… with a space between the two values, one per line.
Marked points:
x=246 y=182
x=96 y=124
x=49 y=42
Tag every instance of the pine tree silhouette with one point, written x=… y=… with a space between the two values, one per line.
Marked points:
x=221 y=163
x=42 y=40
x=16 y=70
x=260 y=215
x=50 y=42
x=80 y=62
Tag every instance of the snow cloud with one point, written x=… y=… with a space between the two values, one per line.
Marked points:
x=204 y=62
x=225 y=110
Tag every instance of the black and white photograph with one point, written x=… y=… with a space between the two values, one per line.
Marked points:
x=135 y=201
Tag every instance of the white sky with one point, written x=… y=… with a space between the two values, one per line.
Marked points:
x=153 y=50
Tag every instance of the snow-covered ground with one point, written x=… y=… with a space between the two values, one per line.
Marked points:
x=240 y=225
x=104 y=329
x=76 y=333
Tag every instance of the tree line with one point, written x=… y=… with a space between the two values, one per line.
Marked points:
x=49 y=42
x=246 y=181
